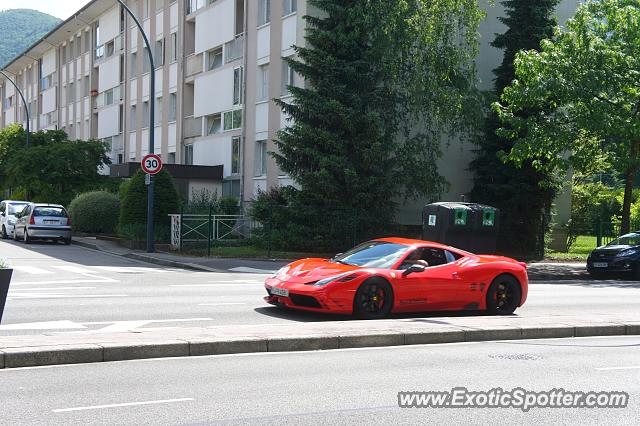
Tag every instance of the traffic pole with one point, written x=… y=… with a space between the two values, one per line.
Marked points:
x=152 y=104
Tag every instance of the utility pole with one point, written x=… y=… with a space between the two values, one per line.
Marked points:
x=24 y=101
x=152 y=107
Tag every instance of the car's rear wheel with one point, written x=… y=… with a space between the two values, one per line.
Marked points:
x=66 y=241
x=504 y=295
x=4 y=233
x=374 y=299
x=15 y=233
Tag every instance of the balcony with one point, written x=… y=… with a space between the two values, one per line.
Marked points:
x=195 y=65
x=192 y=127
x=234 y=49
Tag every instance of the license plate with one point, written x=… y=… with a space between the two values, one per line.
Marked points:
x=600 y=264
x=280 y=291
x=50 y=222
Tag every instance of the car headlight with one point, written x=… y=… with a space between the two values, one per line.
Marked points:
x=280 y=272
x=344 y=277
x=627 y=253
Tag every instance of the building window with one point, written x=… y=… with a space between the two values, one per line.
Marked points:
x=261 y=158
x=263 y=83
x=289 y=6
x=232 y=120
x=145 y=114
x=173 y=105
x=145 y=8
x=159 y=111
x=173 y=47
x=288 y=77
x=188 y=155
x=87 y=87
x=108 y=97
x=235 y=155
x=237 y=85
x=111 y=48
x=133 y=125
x=134 y=64
x=158 y=56
x=146 y=65
x=214 y=124
x=264 y=12
x=214 y=59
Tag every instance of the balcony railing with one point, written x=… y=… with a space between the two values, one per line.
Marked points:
x=192 y=127
x=195 y=64
x=234 y=49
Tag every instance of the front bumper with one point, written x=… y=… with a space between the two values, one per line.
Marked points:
x=310 y=298
x=61 y=232
x=614 y=264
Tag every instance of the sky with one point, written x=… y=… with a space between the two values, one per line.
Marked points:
x=59 y=8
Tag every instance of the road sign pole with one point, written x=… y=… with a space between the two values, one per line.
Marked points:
x=152 y=98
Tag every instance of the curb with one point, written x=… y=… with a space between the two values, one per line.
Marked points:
x=202 y=346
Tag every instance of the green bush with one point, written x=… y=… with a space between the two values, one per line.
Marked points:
x=133 y=203
x=95 y=212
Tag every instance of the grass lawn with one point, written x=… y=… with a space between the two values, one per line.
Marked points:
x=579 y=250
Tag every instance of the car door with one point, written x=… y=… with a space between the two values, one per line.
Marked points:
x=439 y=287
x=22 y=221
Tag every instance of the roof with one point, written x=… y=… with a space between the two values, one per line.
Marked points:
x=78 y=21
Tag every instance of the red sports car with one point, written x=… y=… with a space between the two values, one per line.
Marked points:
x=400 y=275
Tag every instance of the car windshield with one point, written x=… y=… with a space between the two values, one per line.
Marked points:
x=626 y=240
x=15 y=208
x=49 y=212
x=374 y=254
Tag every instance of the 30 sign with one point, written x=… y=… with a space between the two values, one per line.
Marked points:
x=151 y=164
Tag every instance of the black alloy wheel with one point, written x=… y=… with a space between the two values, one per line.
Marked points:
x=504 y=295
x=374 y=299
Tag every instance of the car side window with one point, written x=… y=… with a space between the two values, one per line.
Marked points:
x=2 y=207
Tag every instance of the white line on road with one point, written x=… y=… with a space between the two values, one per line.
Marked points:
x=32 y=270
x=253 y=270
x=74 y=269
x=48 y=325
x=24 y=296
x=634 y=367
x=51 y=289
x=216 y=285
x=125 y=404
x=221 y=304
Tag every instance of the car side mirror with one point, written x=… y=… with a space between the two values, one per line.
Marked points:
x=3 y=214
x=413 y=269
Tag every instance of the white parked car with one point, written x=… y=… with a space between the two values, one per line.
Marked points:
x=8 y=211
x=43 y=222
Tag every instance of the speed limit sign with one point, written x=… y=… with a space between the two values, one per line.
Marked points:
x=151 y=164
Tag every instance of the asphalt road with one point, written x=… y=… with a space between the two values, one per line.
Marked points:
x=60 y=289
x=328 y=387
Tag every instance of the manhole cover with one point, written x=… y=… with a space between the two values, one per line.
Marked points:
x=518 y=357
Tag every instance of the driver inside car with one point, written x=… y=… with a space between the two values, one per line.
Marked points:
x=414 y=258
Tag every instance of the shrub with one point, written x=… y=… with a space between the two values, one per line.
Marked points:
x=95 y=212
x=133 y=205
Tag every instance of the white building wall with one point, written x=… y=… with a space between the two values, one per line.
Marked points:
x=108 y=121
x=109 y=74
x=213 y=92
x=219 y=16
x=109 y=25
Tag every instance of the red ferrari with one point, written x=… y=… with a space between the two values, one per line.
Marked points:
x=393 y=275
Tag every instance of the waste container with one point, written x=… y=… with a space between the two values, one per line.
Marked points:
x=468 y=226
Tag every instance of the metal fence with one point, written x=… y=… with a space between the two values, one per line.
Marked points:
x=198 y=229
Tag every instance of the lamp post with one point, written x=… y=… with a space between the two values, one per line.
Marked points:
x=152 y=94
x=26 y=107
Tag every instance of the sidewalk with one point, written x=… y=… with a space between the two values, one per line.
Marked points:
x=537 y=271
x=85 y=347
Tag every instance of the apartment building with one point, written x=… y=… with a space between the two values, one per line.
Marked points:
x=218 y=67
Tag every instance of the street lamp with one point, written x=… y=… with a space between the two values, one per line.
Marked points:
x=152 y=94
x=26 y=107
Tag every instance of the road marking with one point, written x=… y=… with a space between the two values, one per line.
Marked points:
x=48 y=325
x=221 y=304
x=634 y=367
x=130 y=269
x=124 y=404
x=91 y=281
x=74 y=269
x=237 y=282
x=216 y=285
x=253 y=270
x=122 y=326
x=51 y=289
x=24 y=296
x=33 y=270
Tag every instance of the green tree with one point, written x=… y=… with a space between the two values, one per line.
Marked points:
x=20 y=28
x=383 y=80
x=585 y=91
x=95 y=212
x=52 y=169
x=521 y=192
x=133 y=205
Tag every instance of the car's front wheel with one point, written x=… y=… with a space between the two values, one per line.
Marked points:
x=4 y=233
x=15 y=233
x=26 y=237
x=374 y=299
x=504 y=295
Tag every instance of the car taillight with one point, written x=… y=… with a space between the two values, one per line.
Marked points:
x=69 y=221
x=32 y=221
